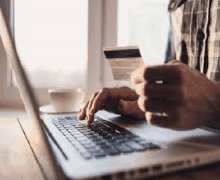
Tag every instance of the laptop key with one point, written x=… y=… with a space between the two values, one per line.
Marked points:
x=60 y=119
x=82 y=150
x=135 y=146
x=71 y=118
x=93 y=137
x=61 y=128
x=86 y=155
x=68 y=136
x=93 y=148
x=123 y=148
x=109 y=137
x=78 y=146
x=68 y=127
x=111 y=151
x=81 y=139
x=95 y=140
x=64 y=131
x=141 y=141
x=90 y=134
x=78 y=126
x=84 y=141
x=101 y=143
x=88 y=145
x=99 y=154
x=151 y=146
x=87 y=133
x=78 y=135
x=73 y=131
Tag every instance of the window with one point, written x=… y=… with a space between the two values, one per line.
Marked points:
x=91 y=43
x=52 y=40
x=59 y=43
x=48 y=36
x=144 y=23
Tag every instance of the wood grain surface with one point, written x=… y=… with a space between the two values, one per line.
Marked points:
x=16 y=158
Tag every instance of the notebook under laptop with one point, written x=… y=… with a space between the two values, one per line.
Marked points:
x=146 y=151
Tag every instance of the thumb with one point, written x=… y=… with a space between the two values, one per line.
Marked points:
x=131 y=108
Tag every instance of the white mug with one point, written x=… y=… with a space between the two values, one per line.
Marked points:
x=66 y=100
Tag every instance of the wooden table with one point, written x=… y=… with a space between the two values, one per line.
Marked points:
x=18 y=161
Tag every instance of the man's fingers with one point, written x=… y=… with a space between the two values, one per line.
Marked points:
x=124 y=93
x=172 y=92
x=108 y=97
x=157 y=105
x=168 y=73
x=157 y=119
x=100 y=99
x=105 y=94
x=165 y=120
x=169 y=119
x=82 y=113
x=90 y=116
x=130 y=108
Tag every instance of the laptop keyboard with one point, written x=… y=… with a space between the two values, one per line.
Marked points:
x=101 y=139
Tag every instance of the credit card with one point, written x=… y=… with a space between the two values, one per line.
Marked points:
x=123 y=61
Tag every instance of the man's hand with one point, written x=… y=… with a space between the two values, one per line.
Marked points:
x=111 y=99
x=175 y=96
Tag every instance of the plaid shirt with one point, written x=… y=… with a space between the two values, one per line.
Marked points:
x=195 y=35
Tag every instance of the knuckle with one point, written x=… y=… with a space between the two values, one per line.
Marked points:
x=123 y=107
x=150 y=120
x=145 y=72
x=139 y=74
x=158 y=119
x=94 y=94
x=180 y=67
x=146 y=89
x=90 y=111
x=146 y=104
x=124 y=88
x=104 y=90
x=143 y=89
x=173 y=62
x=149 y=117
x=143 y=103
x=126 y=105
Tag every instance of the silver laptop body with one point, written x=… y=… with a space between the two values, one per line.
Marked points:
x=178 y=150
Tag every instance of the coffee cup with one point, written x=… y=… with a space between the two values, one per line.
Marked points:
x=66 y=100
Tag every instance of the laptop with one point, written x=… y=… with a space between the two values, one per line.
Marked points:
x=114 y=147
